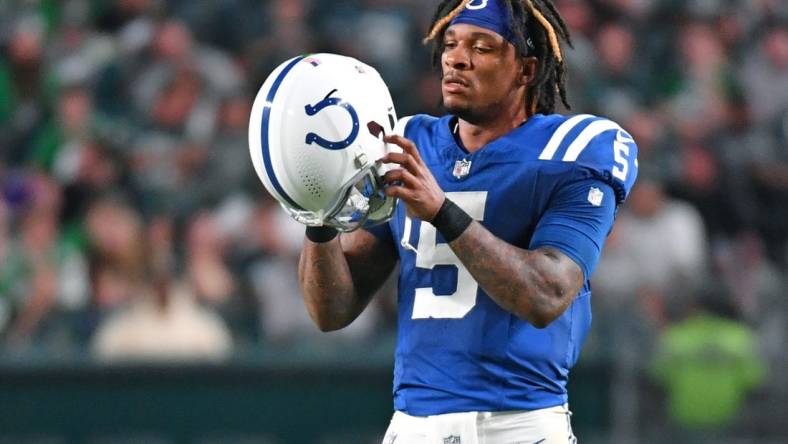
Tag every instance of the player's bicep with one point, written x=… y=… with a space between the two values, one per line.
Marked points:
x=577 y=222
x=370 y=258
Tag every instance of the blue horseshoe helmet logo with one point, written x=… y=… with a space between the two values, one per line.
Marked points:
x=311 y=110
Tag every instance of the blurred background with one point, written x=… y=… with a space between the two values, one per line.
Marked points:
x=147 y=282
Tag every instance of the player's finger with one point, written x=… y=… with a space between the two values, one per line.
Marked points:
x=407 y=145
x=410 y=148
x=399 y=175
x=403 y=159
x=399 y=192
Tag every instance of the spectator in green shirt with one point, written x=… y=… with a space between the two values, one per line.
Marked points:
x=707 y=363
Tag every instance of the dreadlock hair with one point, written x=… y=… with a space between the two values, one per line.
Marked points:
x=537 y=19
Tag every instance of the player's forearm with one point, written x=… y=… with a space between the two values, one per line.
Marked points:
x=532 y=284
x=327 y=285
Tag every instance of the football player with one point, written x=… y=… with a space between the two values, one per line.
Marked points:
x=504 y=209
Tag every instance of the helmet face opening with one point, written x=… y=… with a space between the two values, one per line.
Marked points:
x=362 y=204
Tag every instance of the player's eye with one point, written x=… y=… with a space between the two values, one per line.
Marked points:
x=449 y=45
x=481 y=49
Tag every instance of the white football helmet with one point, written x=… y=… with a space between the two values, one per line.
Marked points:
x=315 y=137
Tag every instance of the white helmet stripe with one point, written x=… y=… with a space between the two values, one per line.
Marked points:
x=269 y=167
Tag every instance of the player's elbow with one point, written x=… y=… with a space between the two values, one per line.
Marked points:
x=329 y=316
x=331 y=310
x=326 y=327
x=548 y=306
x=326 y=323
x=538 y=316
x=550 y=294
x=542 y=320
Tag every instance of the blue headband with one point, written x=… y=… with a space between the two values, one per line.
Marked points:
x=492 y=15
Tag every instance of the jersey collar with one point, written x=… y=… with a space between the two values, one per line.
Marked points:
x=448 y=131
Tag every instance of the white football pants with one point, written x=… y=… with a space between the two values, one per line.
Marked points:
x=545 y=426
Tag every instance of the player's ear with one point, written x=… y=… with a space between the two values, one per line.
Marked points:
x=528 y=67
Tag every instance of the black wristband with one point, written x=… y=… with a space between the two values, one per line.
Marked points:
x=451 y=220
x=320 y=235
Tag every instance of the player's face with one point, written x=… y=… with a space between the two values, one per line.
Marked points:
x=482 y=75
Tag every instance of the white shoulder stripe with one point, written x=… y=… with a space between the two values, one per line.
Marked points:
x=560 y=133
x=585 y=136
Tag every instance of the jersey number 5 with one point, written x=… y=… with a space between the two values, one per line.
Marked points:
x=620 y=154
x=456 y=305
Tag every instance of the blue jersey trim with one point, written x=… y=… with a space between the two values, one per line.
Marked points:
x=269 y=167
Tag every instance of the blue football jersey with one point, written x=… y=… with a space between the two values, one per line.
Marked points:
x=554 y=181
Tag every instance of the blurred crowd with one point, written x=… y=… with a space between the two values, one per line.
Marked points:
x=132 y=223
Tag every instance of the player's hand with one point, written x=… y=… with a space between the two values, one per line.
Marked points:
x=413 y=183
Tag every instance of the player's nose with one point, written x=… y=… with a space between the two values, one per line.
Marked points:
x=457 y=58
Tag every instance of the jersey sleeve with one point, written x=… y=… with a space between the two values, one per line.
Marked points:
x=578 y=219
x=607 y=151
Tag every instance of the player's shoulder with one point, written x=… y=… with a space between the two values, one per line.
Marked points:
x=595 y=144
x=581 y=137
x=420 y=124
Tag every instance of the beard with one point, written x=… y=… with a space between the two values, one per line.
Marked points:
x=475 y=115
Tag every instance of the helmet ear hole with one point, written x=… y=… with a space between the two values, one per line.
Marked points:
x=375 y=129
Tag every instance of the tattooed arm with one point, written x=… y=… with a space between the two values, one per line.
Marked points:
x=339 y=277
x=536 y=285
